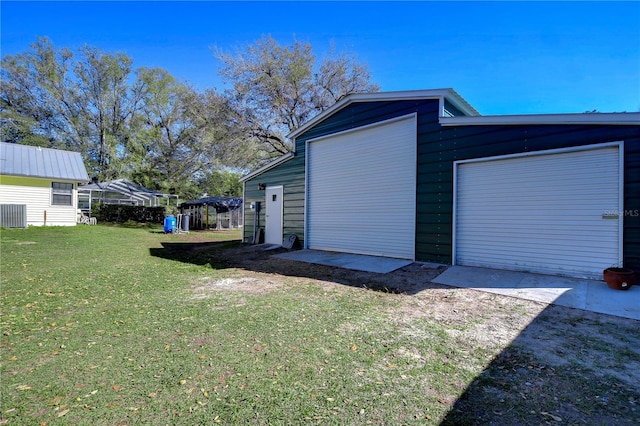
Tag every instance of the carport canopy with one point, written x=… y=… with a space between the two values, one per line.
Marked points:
x=122 y=191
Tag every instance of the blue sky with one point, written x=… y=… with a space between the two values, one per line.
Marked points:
x=502 y=57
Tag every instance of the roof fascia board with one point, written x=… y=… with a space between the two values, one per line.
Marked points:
x=267 y=166
x=45 y=178
x=594 y=118
x=439 y=94
x=460 y=103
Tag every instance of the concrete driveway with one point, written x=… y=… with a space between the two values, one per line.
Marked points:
x=590 y=295
x=357 y=262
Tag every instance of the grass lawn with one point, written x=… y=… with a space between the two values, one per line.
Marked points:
x=98 y=328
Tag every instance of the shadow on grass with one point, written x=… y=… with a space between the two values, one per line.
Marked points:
x=566 y=366
x=197 y=253
x=235 y=254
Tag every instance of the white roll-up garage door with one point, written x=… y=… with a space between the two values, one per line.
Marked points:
x=361 y=190
x=550 y=213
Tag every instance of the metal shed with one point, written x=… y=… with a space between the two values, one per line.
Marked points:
x=214 y=212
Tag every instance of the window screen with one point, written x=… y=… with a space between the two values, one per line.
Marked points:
x=61 y=194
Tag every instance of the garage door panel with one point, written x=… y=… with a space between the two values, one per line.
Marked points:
x=361 y=190
x=544 y=241
x=539 y=251
x=541 y=213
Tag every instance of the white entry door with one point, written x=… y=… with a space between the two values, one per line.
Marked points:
x=273 y=215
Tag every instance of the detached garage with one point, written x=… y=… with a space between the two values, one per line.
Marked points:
x=421 y=175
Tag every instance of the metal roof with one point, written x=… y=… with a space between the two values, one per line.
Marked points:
x=449 y=94
x=221 y=204
x=126 y=188
x=608 y=118
x=34 y=161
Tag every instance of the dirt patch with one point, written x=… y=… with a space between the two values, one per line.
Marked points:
x=251 y=285
x=561 y=335
x=546 y=364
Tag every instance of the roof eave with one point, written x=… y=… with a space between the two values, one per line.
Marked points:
x=56 y=178
x=461 y=103
x=620 y=119
x=268 y=166
x=448 y=94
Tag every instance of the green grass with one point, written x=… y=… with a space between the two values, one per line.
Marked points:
x=109 y=325
x=99 y=330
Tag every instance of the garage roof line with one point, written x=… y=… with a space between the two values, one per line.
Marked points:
x=449 y=94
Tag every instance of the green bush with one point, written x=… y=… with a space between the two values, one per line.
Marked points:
x=123 y=213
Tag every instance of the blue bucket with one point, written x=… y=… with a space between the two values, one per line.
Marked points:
x=169 y=223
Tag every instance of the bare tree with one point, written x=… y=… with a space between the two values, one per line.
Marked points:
x=278 y=88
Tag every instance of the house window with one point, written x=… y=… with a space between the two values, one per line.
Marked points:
x=61 y=194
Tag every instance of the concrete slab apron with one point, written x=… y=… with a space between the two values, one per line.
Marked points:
x=590 y=295
x=358 y=262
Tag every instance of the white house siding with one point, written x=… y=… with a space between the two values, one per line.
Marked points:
x=36 y=195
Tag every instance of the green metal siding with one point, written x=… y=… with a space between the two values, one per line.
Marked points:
x=435 y=174
x=438 y=147
x=291 y=174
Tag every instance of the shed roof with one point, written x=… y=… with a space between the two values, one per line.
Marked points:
x=35 y=161
x=221 y=204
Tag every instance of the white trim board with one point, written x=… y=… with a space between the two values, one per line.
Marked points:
x=621 y=119
x=450 y=94
x=286 y=157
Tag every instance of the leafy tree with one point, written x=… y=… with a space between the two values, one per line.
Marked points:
x=222 y=182
x=278 y=88
x=184 y=135
x=146 y=126
x=84 y=103
x=105 y=106
x=34 y=99
x=164 y=139
x=149 y=127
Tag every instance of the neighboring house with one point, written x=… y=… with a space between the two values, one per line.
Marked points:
x=38 y=186
x=421 y=175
